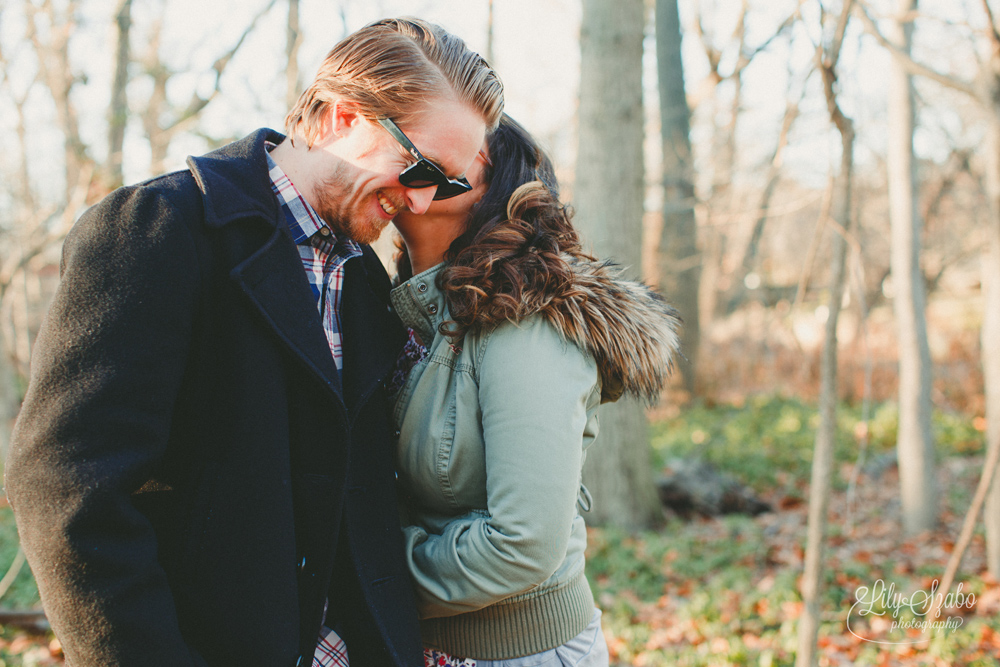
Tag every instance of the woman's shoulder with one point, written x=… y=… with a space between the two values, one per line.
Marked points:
x=534 y=341
x=631 y=332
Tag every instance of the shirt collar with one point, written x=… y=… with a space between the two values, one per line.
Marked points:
x=302 y=220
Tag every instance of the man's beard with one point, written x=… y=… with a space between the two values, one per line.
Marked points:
x=329 y=206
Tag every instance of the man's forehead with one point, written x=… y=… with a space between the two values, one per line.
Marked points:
x=427 y=155
x=449 y=140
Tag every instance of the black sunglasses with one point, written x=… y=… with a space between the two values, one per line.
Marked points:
x=423 y=173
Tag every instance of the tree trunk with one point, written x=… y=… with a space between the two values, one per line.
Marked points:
x=991 y=328
x=608 y=198
x=293 y=39
x=679 y=256
x=986 y=91
x=118 y=112
x=490 y=29
x=915 y=445
x=822 y=467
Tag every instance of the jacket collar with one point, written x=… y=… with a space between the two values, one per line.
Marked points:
x=234 y=181
x=632 y=333
x=235 y=185
x=420 y=304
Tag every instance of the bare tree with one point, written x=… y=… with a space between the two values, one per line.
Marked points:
x=679 y=256
x=293 y=40
x=723 y=151
x=720 y=199
x=760 y=213
x=822 y=466
x=49 y=30
x=118 y=111
x=490 y=30
x=985 y=91
x=160 y=132
x=608 y=197
x=35 y=220
x=915 y=445
x=39 y=224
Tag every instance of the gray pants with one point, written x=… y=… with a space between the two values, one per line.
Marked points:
x=587 y=649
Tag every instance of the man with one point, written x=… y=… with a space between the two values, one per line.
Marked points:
x=202 y=469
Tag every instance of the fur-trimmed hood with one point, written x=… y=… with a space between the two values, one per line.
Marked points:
x=632 y=332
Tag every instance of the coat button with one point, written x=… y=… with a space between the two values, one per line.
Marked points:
x=422 y=287
x=301 y=661
x=432 y=309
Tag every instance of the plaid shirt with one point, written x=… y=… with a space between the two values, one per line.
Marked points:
x=331 y=650
x=323 y=254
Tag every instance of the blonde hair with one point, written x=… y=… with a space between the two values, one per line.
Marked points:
x=391 y=68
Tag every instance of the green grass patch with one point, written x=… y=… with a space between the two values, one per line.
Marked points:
x=23 y=593
x=768 y=442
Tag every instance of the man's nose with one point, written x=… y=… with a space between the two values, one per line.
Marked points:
x=419 y=199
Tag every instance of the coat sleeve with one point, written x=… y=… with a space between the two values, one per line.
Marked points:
x=95 y=422
x=534 y=391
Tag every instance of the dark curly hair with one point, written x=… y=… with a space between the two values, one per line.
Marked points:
x=513 y=259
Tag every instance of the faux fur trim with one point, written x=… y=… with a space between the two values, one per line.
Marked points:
x=629 y=328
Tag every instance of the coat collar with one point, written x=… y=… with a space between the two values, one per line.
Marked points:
x=234 y=181
x=629 y=329
x=265 y=264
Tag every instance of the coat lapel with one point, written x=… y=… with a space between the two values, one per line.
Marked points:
x=274 y=281
x=236 y=187
x=373 y=335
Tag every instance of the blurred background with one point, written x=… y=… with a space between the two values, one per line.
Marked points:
x=815 y=184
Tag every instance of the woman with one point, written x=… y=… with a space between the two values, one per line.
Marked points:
x=517 y=337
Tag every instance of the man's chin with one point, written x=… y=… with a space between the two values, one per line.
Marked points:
x=367 y=232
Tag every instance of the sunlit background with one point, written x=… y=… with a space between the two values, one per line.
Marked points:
x=765 y=155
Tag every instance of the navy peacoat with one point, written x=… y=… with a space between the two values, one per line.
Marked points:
x=190 y=474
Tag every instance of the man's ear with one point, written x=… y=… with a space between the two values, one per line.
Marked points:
x=342 y=116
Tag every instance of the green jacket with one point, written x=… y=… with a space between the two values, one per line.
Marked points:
x=493 y=431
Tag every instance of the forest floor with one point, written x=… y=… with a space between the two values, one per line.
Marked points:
x=724 y=591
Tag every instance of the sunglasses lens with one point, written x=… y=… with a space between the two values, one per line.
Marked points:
x=421 y=174
x=451 y=189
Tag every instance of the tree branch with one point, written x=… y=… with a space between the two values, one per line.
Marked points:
x=744 y=58
x=968 y=527
x=782 y=27
x=994 y=35
x=198 y=102
x=912 y=66
x=711 y=52
x=40 y=237
x=838 y=35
